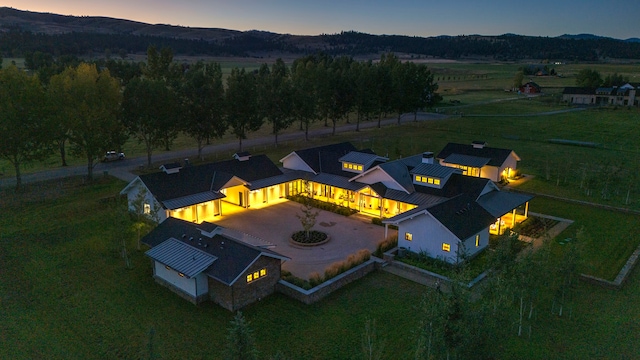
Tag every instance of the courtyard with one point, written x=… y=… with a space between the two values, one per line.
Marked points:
x=275 y=224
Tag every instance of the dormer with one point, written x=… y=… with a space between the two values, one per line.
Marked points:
x=432 y=175
x=478 y=144
x=172 y=168
x=242 y=156
x=358 y=162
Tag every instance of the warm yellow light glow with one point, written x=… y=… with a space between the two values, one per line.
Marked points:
x=446 y=247
x=256 y=275
x=408 y=236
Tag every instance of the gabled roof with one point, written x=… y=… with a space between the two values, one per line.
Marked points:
x=497 y=155
x=233 y=257
x=467 y=160
x=498 y=203
x=399 y=171
x=363 y=158
x=337 y=181
x=434 y=170
x=461 y=215
x=325 y=159
x=456 y=185
x=192 y=200
x=200 y=179
x=181 y=257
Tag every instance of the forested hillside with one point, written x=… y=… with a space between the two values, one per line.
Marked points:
x=23 y=32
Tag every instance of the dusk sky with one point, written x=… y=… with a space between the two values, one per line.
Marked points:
x=614 y=18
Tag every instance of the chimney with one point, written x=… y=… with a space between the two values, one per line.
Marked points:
x=478 y=144
x=427 y=157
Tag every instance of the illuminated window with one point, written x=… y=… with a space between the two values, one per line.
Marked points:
x=256 y=275
x=181 y=274
x=167 y=267
x=359 y=167
x=446 y=247
x=477 y=240
x=430 y=180
x=408 y=236
x=147 y=209
x=436 y=181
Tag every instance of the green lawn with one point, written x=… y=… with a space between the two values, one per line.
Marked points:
x=65 y=293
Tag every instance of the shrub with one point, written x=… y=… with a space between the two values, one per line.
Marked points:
x=334 y=208
x=315 y=279
x=378 y=221
x=290 y=278
x=352 y=261
x=386 y=245
x=314 y=237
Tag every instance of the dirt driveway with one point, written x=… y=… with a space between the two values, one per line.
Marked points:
x=276 y=223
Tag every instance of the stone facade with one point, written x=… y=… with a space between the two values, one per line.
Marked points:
x=241 y=293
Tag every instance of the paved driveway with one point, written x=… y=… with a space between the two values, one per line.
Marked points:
x=276 y=223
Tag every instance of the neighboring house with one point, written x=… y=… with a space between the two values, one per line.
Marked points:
x=410 y=192
x=530 y=88
x=624 y=95
x=479 y=160
x=204 y=261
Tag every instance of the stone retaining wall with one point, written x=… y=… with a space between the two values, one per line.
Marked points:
x=427 y=277
x=323 y=290
x=622 y=277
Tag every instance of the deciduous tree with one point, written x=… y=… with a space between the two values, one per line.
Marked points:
x=241 y=103
x=91 y=99
x=22 y=126
x=149 y=112
x=202 y=102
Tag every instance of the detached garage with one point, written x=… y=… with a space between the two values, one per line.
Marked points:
x=204 y=261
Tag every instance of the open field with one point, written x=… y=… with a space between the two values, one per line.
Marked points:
x=65 y=293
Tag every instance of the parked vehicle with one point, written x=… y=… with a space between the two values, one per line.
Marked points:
x=113 y=156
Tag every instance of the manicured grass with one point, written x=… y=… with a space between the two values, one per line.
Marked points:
x=611 y=236
x=65 y=293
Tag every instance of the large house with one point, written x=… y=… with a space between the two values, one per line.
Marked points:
x=449 y=206
x=624 y=95
x=477 y=159
x=208 y=262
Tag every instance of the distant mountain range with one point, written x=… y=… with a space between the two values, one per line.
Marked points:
x=27 y=32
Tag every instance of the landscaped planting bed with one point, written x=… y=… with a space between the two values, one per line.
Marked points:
x=535 y=227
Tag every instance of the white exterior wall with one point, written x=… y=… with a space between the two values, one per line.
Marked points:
x=294 y=162
x=132 y=196
x=172 y=277
x=428 y=235
x=378 y=175
x=510 y=162
x=490 y=172
x=470 y=243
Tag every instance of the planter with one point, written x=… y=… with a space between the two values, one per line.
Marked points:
x=321 y=238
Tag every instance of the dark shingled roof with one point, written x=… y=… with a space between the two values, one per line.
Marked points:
x=325 y=159
x=462 y=216
x=456 y=185
x=497 y=155
x=232 y=256
x=208 y=177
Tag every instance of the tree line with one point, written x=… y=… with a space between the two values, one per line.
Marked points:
x=16 y=42
x=91 y=108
